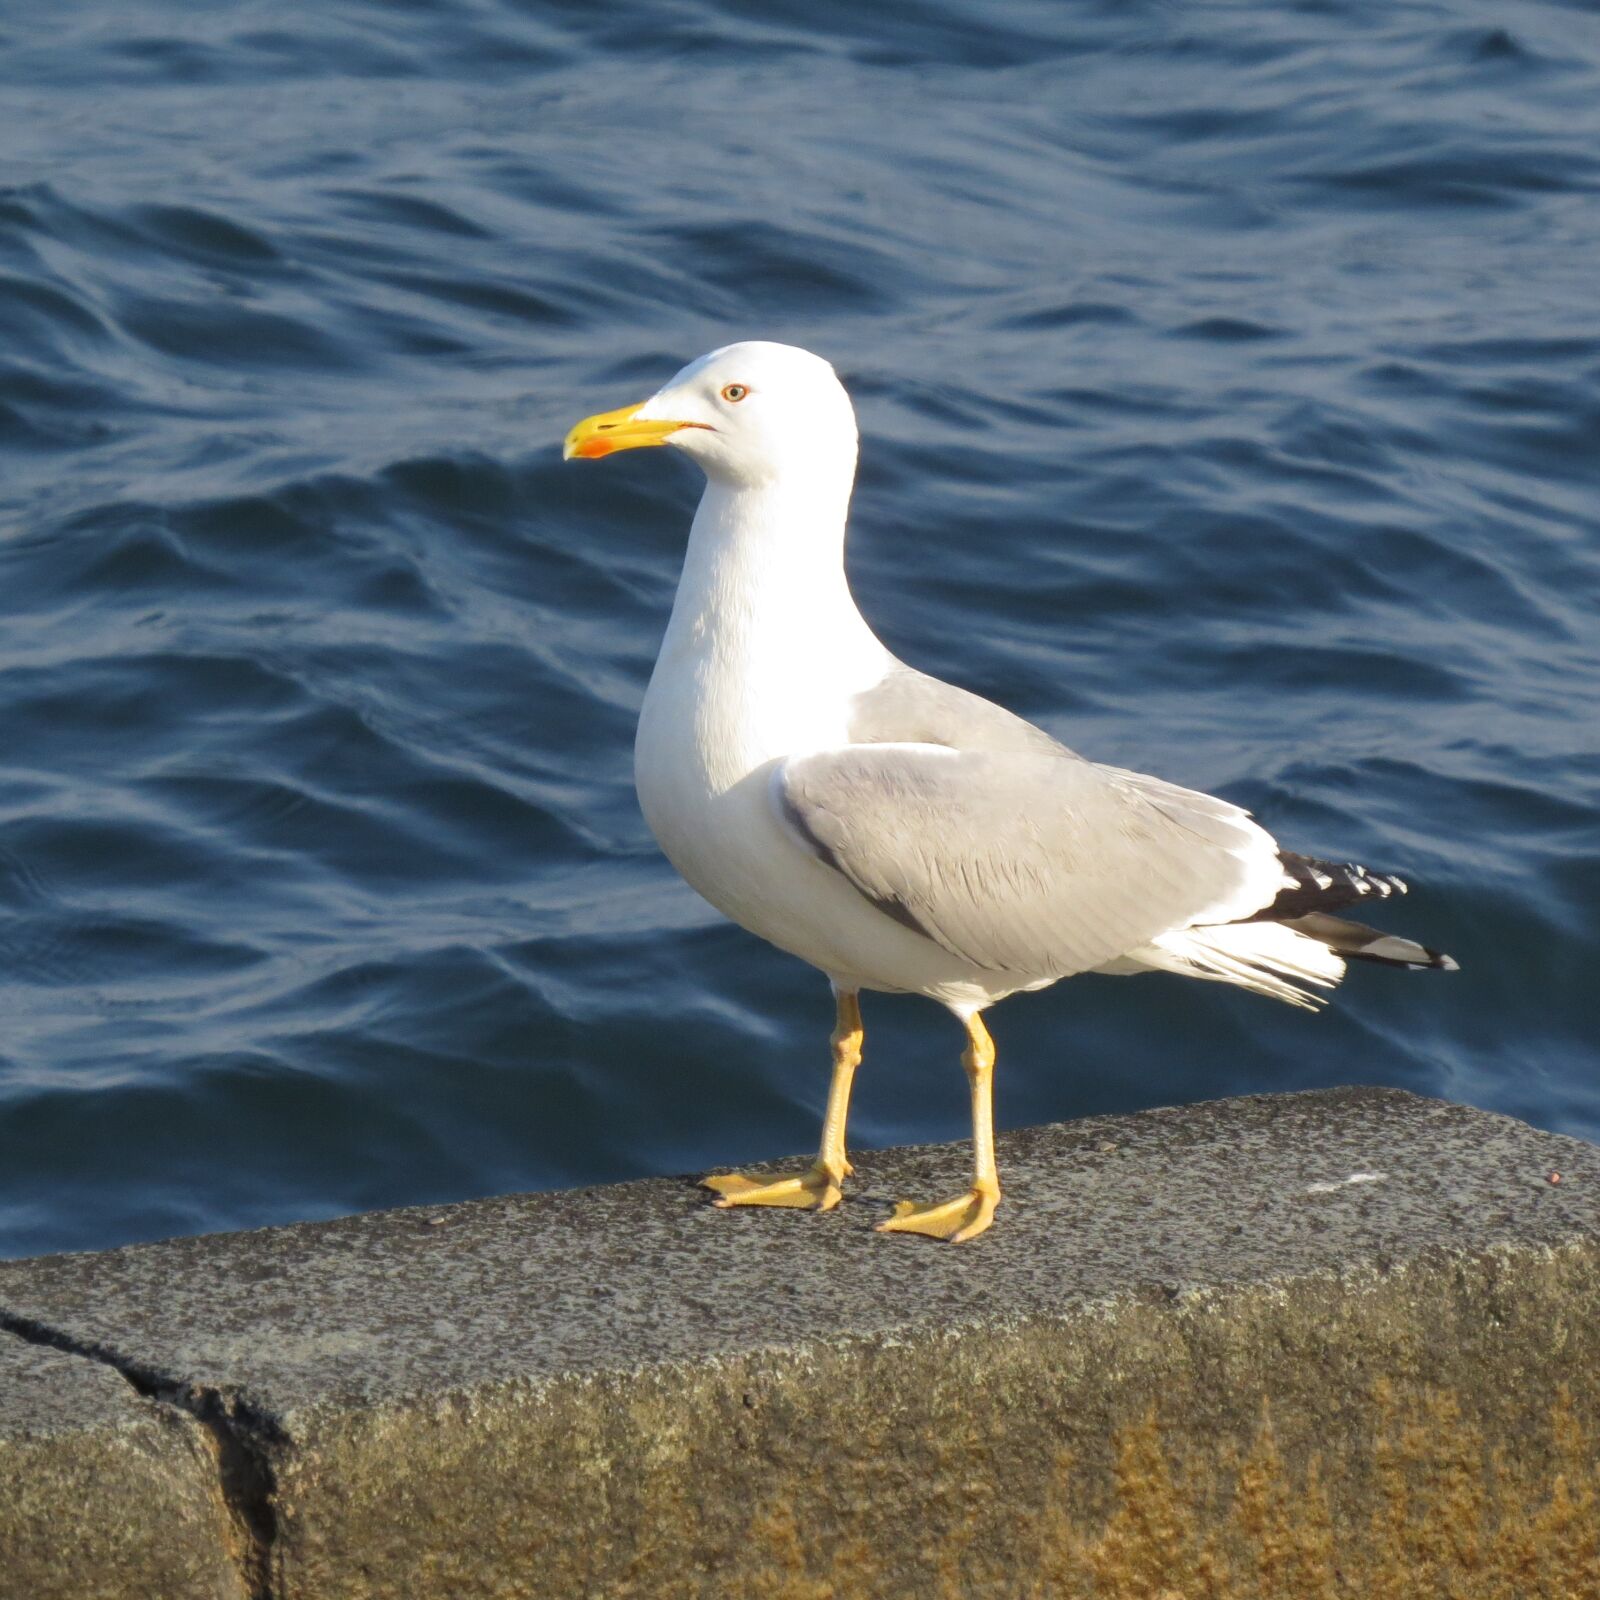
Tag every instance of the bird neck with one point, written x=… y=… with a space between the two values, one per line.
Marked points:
x=764 y=588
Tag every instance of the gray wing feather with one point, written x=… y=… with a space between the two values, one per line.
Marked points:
x=1025 y=861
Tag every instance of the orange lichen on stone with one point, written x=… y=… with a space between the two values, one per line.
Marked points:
x=1425 y=1508
x=1447 y=1518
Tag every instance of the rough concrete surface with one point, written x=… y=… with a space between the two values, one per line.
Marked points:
x=1177 y=1317
x=103 y=1493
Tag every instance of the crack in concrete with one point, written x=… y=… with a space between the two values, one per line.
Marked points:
x=239 y=1439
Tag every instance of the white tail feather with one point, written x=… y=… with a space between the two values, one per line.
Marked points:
x=1264 y=957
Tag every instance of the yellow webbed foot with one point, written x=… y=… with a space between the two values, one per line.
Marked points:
x=816 y=1189
x=957 y=1220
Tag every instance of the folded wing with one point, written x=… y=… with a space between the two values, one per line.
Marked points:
x=1032 y=862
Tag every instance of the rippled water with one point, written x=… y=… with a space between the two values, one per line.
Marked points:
x=1230 y=383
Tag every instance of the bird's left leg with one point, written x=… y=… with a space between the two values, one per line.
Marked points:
x=819 y=1185
x=968 y=1214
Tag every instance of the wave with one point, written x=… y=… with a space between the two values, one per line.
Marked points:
x=1229 y=396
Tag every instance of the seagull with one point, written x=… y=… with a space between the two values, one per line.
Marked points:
x=898 y=832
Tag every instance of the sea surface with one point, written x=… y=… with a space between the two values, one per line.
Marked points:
x=1229 y=379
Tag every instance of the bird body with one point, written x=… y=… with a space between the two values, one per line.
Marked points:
x=895 y=831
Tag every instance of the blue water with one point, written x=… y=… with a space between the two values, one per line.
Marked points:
x=1230 y=384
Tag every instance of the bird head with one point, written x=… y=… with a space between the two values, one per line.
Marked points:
x=747 y=413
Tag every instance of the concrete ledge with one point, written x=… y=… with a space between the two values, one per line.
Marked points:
x=1289 y=1345
x=103 y=1493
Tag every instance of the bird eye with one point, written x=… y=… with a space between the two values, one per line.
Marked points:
x=734 y=392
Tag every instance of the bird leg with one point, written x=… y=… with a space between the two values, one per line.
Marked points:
x=818 y=1186
x=968 y=1214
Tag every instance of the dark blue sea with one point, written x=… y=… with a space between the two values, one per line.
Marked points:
x=1229 y=377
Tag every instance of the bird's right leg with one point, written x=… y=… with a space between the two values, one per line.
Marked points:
x=819 y=1185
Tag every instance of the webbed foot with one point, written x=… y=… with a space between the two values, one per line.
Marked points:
x=957 y=1220
x=816 y=1189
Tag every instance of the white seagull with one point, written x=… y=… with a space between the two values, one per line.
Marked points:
x=896 y=831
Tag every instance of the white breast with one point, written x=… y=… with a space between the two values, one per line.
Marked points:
x=763 y=658
x=725 y=704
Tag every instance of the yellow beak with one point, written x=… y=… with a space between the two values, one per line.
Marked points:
x=618 y=430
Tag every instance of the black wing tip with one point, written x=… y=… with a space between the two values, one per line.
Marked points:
x=1318 y=887
x=1355 y=941
x=1425 y=960
x=1312 y=885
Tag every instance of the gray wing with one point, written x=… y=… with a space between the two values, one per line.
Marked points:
x=909 y=707
x=1030 y=860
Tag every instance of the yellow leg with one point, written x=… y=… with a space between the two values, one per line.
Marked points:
x=968 y=1214
x=818 y=1186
